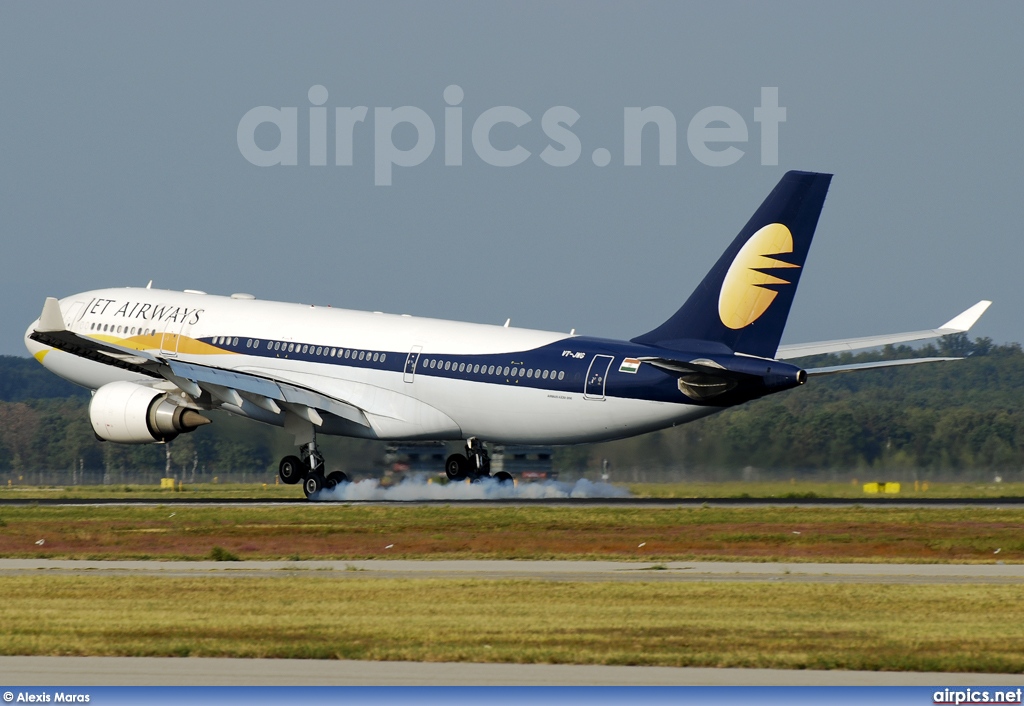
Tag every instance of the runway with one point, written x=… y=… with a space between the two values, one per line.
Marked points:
x=951 y=503
x=676 y=571
x=195 y=671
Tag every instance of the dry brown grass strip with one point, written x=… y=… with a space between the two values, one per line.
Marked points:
x=502 y=532
x=800 y=626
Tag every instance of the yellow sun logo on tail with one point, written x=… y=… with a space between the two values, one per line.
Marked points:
x=744 y=297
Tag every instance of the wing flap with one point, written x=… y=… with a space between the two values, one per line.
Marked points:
x=217 y=380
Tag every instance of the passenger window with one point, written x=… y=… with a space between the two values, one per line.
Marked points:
x=376 y=357
x=545 y=374
x=490 y=370
x=561 y=374
x=447 y=365
x=529 y=373
x=291 y=347
x=476 y=368
x=383 y=356
x=506 y=370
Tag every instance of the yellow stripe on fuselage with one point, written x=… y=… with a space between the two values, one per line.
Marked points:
x=167 y=342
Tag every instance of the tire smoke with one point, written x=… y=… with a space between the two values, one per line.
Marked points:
x=412 y=489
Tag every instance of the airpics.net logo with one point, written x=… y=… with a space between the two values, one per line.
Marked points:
x=717 y=136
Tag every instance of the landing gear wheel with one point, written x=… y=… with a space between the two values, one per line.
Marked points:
x=504 y=478
x=313 y=484
x=334 y=479
x=291 y=470
x=456 y=467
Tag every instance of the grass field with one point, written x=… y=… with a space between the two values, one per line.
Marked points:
x=347 y=615
x=340 y=531
x=799 y=626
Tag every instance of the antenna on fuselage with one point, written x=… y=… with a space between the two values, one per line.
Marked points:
x=150 y=285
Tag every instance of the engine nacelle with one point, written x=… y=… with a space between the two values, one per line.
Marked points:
x=134 y=414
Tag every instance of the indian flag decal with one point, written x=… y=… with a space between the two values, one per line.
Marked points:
x=629 y=365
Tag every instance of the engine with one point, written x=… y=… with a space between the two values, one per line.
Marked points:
x=134 y=414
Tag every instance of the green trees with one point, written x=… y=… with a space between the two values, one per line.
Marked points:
x=958 y=418
x=943 y=419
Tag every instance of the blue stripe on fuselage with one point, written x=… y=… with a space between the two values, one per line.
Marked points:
x=566 y=363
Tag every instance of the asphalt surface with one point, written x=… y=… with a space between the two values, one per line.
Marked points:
x=196 y=671
x=518 y=502
x=542 y=570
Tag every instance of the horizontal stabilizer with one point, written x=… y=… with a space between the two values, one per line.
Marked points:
x=853 y=367
x=958 y=324
x=681 y=366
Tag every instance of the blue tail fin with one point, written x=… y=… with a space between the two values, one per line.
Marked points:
x=744 y=300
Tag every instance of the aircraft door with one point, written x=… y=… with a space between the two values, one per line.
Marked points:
x=597 y=376
x=410 y=363
x=184 y=331
x=169 y=338
x=72 y=315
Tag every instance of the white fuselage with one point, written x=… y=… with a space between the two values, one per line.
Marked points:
x=390 y=367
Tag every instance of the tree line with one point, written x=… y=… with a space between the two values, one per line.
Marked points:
x=958 y=419
x=952 y=419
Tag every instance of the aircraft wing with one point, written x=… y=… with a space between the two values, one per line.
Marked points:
x=224 y=386
x=51 y=332
x=958 y=324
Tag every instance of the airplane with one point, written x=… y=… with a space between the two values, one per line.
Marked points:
x=156 y=360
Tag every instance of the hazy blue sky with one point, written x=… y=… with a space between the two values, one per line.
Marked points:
x=119 y=160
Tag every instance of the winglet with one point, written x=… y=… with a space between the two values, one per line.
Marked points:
x=51 y=320
x=964 y=321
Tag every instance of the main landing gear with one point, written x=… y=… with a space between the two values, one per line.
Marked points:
x=309 y=470
x=475 y=464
